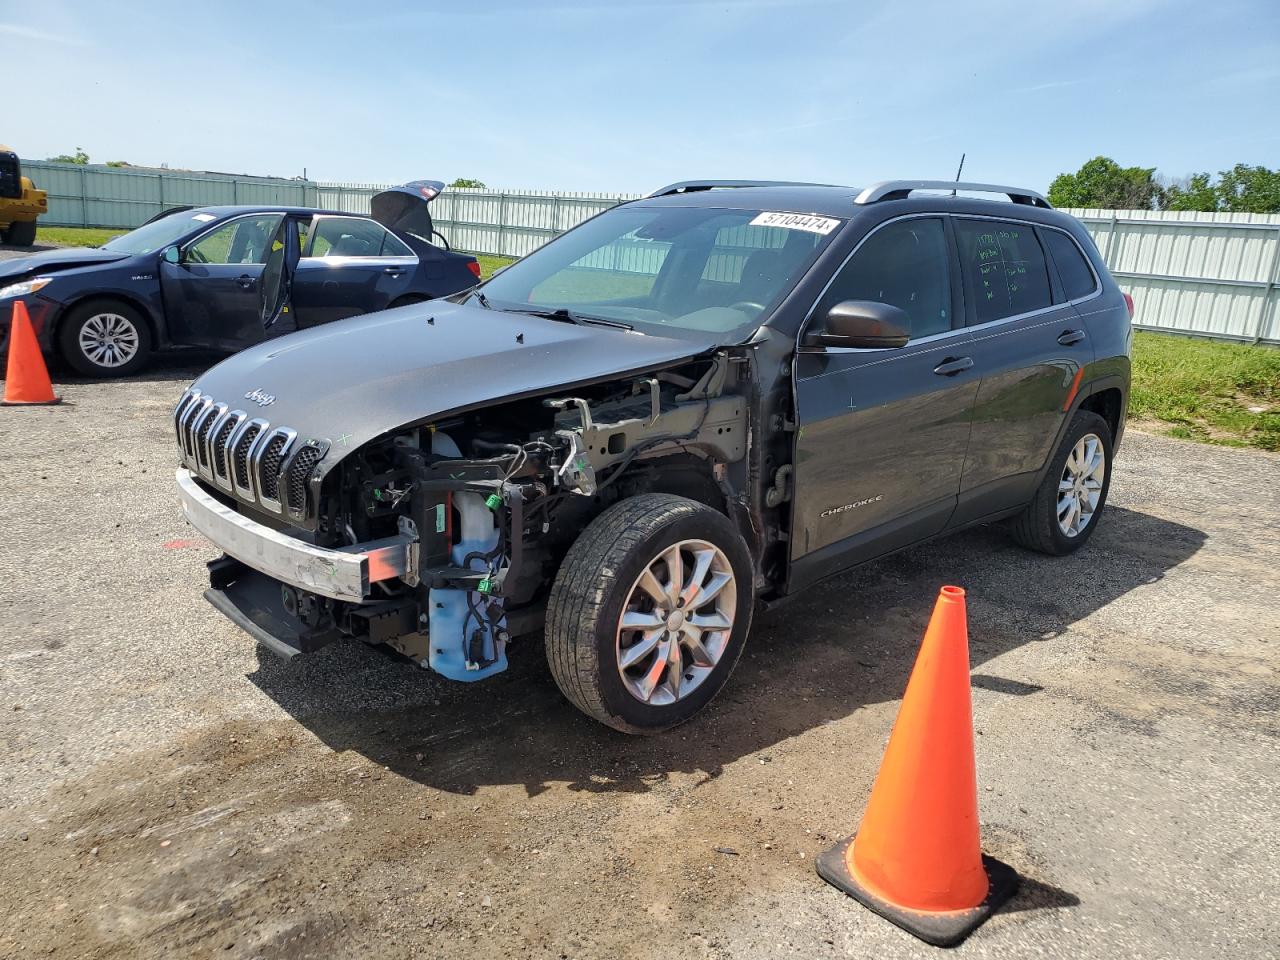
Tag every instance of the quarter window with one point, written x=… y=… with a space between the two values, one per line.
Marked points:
x=904 y=264
x=1073 y=269
x=243 y=240
x=1004 y=268
x=354 y=237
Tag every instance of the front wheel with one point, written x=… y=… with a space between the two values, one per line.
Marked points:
x=105 y=338
x=649 y=612
x=1067 y=506
x=21 y=234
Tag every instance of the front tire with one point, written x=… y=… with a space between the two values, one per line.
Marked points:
x=105 y=338
x=649 y=612
x=21 y=234
x=1068 y=504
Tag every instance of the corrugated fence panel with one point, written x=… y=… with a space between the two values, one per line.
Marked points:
x=1211 y=274
x=1208 y=274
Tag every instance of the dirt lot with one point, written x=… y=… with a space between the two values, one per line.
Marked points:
x=167 y=790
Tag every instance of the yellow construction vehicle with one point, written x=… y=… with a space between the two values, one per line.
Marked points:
x=20 y=202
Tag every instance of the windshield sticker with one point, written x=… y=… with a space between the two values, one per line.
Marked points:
x=796 y=221
x=203 y=217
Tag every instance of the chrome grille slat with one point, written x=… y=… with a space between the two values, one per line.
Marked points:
x=203 y=430
x=296 y=472
x=266 y=462
x=220 y=446
x=243 y=446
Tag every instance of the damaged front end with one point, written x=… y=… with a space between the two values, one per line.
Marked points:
x=442 y=539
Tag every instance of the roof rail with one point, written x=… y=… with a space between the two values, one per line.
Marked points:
x=695 y=186
x=901 y=189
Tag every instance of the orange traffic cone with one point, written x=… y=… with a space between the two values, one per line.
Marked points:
x=916 y=859
x=27 y=380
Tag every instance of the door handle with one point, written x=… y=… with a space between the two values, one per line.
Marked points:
x=246 y=281
x=393 y=271
x=1068 y=337
x=953 y=365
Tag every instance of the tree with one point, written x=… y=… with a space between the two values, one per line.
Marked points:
x=1104 y=184
x=465 y=183
x=1242 y=189
x=1246 y=189
x=1195 y=193
x=80 y=157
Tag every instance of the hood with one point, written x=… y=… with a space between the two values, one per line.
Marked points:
x=350 y=381
x=404 y=208
x=51 y=261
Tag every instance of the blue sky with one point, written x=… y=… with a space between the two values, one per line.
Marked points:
x=628 y=95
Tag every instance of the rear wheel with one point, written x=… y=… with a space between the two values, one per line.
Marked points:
x=21 y=234
x=649 y=612
x=105 y=338
x=1066 y=509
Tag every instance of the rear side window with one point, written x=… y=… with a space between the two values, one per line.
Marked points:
x=1004 y=268
x=1073 y=269
x=904 y=264
x=354 y=237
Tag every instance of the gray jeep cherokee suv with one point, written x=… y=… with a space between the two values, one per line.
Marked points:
x=690 y=405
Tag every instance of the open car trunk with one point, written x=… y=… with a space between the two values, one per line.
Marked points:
x=405 y=207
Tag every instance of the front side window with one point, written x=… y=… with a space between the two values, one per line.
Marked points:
x=1004 y=268
x=906 y=265
x=1073 y=269
x=243 y=240
x=354 y=237
x=670 y=268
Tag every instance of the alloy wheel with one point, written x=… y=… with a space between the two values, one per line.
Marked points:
x=676 y=622
x=1080 y=486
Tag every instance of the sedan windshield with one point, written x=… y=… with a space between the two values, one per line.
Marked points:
x=668 y=269
x=159 y=233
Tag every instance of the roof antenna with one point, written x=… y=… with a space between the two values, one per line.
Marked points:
x=958 y=169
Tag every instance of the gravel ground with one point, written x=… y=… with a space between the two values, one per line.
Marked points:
x=168 y=790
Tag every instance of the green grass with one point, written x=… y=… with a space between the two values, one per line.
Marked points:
x=489 y=264
x=75 y=236
x=1226 y=393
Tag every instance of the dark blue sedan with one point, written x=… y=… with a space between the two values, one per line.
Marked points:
x=225 y=278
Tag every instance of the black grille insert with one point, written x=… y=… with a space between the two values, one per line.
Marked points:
x=240 y=462
x=296 y=488
x=269 y=471
x=220 y=445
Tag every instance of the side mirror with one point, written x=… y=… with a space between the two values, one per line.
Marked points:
x=862 y=323
x=170 y=254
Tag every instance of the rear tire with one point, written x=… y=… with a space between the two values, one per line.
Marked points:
x=105 y=339
x=623 y=560
x=1047 y=523
x=21 y=234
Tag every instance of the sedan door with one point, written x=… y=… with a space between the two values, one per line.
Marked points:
x=1031 y=347
x=883 y=432
x=350 y=266
x=212 y=295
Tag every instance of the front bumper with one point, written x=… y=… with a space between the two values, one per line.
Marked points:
x=346 y=574
x=43 y=314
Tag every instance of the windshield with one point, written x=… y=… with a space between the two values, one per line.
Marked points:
x=670 y=269
x=159 y=233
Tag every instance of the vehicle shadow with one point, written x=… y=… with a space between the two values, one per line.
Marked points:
x=844 y=644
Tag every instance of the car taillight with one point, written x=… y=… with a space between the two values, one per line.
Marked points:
x=1128 y=302
x=474 y=267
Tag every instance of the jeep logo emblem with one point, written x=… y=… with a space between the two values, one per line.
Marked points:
x=260 y=398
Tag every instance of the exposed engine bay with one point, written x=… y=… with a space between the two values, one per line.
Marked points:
x=489 y=501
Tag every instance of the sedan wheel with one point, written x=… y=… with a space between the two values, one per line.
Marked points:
x=109 y=340
x=105 y=338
